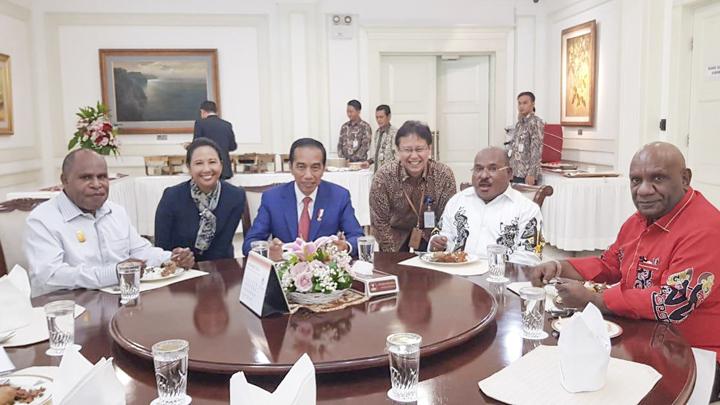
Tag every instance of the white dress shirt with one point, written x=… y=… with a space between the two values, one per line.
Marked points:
x=299 y=197
x=510 y=219
x=67 y=248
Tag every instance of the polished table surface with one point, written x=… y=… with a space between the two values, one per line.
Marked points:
x=448 y=377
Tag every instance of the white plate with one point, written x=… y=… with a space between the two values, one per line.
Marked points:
x=614 y=330
x=151 y=276
x=427 y=258
x=33 y=381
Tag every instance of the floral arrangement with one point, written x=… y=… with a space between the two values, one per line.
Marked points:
x=315 y=267
x=95 y=131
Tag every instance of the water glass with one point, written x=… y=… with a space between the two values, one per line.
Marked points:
x=129 y=276
x=260 y=247
x=171 y=361
x=366 y=248
x=60 y=317
x=496 y=263
x=532 y=305
x=404 y=352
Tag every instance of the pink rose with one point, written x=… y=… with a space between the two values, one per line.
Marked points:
x=303 y=282
x=299 y=268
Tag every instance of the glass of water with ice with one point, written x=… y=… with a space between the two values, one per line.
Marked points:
x=532 y=306
x=366 y=248
x=171 y=361
x=129 y=277
x=60 y=317
x=260 y=247
x=404 y=352
x=496 y=263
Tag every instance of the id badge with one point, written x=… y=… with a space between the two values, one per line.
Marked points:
x=429 y=217
x=521 y=147
x=415 y=238
x=355 y=144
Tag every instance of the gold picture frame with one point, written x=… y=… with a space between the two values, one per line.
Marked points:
x=158 y=91
x=6 y=104
x=577 y=83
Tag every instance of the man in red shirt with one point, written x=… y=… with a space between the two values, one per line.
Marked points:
x=666 y=256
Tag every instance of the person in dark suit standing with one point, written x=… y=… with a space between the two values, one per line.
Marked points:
x=220 y=131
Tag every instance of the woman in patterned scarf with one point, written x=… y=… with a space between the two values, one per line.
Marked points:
x=203 y=212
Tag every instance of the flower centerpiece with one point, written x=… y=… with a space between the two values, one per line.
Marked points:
x=314 y=272
x=95 y=131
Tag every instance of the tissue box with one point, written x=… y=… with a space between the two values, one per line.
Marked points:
x=379 y=283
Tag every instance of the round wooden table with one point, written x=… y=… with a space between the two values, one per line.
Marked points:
x=447 y=377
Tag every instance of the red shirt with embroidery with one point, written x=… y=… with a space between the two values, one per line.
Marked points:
x=666 y=270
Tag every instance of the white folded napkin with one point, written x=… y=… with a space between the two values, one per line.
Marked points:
x=584 y=346
x=15 y=306
x=298 y=387
x=80 y=382
x=361 y=267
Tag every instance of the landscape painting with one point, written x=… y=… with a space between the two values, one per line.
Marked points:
x=157 y=90
x=6 y=117
x=578 y=75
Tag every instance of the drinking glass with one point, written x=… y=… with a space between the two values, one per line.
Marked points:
x=366 y=248
x=532 y=306
x=129 y=276
x=496 y=263
x=404 y=352
x=260 y=247
x=171 y=361
x=60 y=317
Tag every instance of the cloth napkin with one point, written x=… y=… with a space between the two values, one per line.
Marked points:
x=15 y=306
x=151 y=285
x=584 y=351
x=80 y=382
x=471 y=269
x=298 y=387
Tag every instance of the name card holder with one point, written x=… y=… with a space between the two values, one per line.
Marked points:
x=261 y=291
x=378 y=283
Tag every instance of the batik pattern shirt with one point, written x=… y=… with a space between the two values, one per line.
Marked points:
x=526 y=147
x=510 y=219
x=383 y=146
x=354 y=142
x=666 y=270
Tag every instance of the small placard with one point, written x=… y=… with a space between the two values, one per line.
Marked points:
x=379 y=283
x=261 y=290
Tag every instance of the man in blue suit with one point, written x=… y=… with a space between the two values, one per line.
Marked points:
x=307 y=207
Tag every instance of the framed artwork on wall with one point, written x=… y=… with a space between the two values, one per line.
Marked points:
x=577 y=83
x=158 y=91
x=6 y=112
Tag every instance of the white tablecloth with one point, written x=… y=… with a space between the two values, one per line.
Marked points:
x=585 y=213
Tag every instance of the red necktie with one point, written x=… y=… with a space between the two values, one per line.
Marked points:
x=304 y=226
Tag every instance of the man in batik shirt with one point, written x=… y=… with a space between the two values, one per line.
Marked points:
x=491 y=212
x=355 y=135
x=665 y=260
x=527 y=143
x=382 y=145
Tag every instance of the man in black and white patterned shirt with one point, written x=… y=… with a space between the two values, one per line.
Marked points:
x=491 y=212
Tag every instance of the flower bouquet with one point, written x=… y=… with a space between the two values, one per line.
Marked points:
x=314 y=272
x=95 y=131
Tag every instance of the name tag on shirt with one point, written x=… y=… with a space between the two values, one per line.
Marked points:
x=429 y=218
x=355 y=144
x=521 y=147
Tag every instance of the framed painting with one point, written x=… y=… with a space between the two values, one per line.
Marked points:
x=158 y=91
x=577 y=83
x=6 y=113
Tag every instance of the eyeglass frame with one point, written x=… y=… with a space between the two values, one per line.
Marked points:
x=416 y=150
x=491 y=170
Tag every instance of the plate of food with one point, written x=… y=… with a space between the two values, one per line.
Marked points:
x=25 y=389
x=614 y=330
x=449 y=258
x=163 y=272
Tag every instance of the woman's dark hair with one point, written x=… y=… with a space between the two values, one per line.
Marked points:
x=355 y=104
x=198 y=143
x=529 y=94
x=414 y=127
x=307 y=143
x=383 y=107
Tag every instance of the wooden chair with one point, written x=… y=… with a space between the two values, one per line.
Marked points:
x=12 y=228
x=253 y=195
x=535 y=193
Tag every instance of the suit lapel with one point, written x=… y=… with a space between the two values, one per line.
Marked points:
x=320 y=200
x=290 y=207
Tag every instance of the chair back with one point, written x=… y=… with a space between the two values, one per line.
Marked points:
x=536 y=193
x=12 y=230
x=253 y=196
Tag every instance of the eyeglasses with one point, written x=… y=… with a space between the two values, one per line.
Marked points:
x=418 y=150
x=492 y=170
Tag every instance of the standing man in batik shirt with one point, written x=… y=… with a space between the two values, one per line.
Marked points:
x=664 y=262
x=382 y=144
x=355 y=135
x=491 y=212
x=527 y=143
x=408 y=195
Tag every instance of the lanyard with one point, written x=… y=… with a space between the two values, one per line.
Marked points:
x=412 y=206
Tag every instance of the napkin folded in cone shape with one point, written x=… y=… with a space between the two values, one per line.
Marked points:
x=584 y=346
x=15 y=306
x=80 y=382
x=298 y=387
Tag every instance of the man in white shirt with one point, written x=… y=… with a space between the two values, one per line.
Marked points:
x=76 y=239
x=491 y=212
